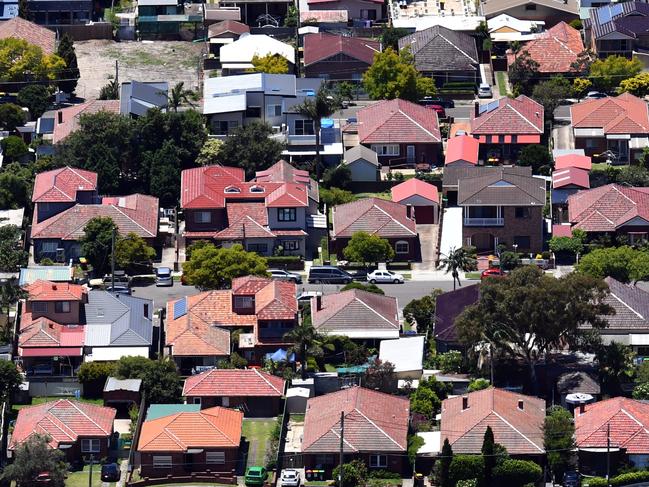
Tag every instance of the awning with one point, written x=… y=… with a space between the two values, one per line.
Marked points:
x=639 y=142
x=618 y=136
x=115 y=353
x=639 y=339
x=51 y=352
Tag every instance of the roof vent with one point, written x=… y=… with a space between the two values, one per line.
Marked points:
x=465 y=402
x=521 y=404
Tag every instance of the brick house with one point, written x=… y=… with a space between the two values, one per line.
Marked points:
x=77 y=429
x=423 y=197
x=617 y=29
x=338 y=57
x=368 y=10
x=191 y=442
x=375 y=430
x=255 y=392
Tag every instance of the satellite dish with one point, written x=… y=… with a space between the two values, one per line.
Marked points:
x=579 y=398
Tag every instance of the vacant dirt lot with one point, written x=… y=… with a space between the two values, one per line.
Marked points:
x=171 y=61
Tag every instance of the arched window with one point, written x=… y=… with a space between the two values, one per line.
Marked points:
x=232 y=189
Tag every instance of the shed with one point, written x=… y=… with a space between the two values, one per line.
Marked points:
x=406 y=354
x=296 y=398
x=363 y=164
x=122 y=392
x=577 y=382
x=422 y=196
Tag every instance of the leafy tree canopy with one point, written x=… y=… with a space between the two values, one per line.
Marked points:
x=638 y=85
x=21 y=61
x=13 y=148
x=33 y=457
x=70 y=74
x=10 y=379
x=133 y=254
x=337 y=177
x=622 y=263
x=160 y=379
x=366 y=248
x=336 y=196
x=538 y=157
x=391 y=35
x=370 y=288
x=422 y=311
x=11 y=116
x=209 y=151
x=36 y=98
x=522 y=71
x=550 y=93
x=478 y=384
x=606 y=74
x=558 y=440
x=270 y=63
x=96 y=243
x=12 y=254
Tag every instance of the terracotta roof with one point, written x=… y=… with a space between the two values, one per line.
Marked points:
x=374 y=421
x=501 y=188
x=555 y=49
x=398 y=121
x=324 y=16
x=284 y=172
x=227 y=26
x=510 y=116
x=628 y=420
x=570 y=176
x=415 y=187
x=135 y=213
x=518 y=430
x=449 y=306
x=43 y=332
x=61 y=185
x=607 y=208
x=215 y=427
x=561 y=230
x=54 y=291
x=71 y=116
x=322 y=46
x=623 y=114
x=64 y=421
x=462 y=148
x=372 y=215
x=20 y=28
x=573 y=160
x=440 y=49
x=234 y=382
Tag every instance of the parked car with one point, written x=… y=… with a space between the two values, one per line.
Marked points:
x=385 y=276
x=328 y=275
x=493 y=272
x=41 y=369
x=305 y=297
x=596 y=94
x=571 y=479
x=118 y=289
x=430 y=100
x=281 y=275
x=163 y=276
x=110 y=472
x=290 y=478
x=441 y=113
x=484 y=91
x=256 y=476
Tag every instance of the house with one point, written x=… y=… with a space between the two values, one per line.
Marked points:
x=446 y=55
x=338 y=57
x=615 y=128
x=505 y=28
x=505 y=126
x=462 y=150
x=566 y=182
x=363 y=164
x=454 y=173
x=64 y=121
x=549 y=11
x=8 y=9
x=19 y=28
x=387 y=219
x=555 y=50
x=619 y=424
x=224 y=32
x=448 y=306
x=577 y=382
x=236 y=57
x=614 y=210
x=402 y=133
x=576 y=161
x=375 y=430
x=357 y=314
x=423 y=197
x=253 y=391
x=255 y=13
x=191 y=443
x=198 y=327
x=136 y=98
x=324 y=19
x=76 y=428
x=617 y=29
x=162 y=19
x=53 y=14
x=122 y=392
x=357 y=10
x=262 y=215
x=407 y=356
x=515 y=419
x=502 y=208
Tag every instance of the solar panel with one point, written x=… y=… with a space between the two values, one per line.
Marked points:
x=482 y=109
x=604 y=15
x=180 y=308
x=616 y=9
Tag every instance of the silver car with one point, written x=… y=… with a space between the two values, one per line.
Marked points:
x=385 y=276
x=163 y=277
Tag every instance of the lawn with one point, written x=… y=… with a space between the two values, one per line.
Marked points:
x=384 y=196
x=257 y=432
x=80 y=478
x=502 y=84
x=472 y=275
x=602 y=166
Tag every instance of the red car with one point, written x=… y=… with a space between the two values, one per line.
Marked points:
x=493 y=272
x=441 y=112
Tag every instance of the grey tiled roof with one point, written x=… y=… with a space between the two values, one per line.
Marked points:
x=631 y=305
x=118 y=320
x=577 y=382
x=630 y=19
x=440 y=49
x=501 y=188
x=453 y=173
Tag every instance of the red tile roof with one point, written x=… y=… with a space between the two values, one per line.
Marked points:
x=570 y=176
x=324 y=16
x=54 y=291
x=462 y=148
x=623 y=114
x=20 y=28
x=374 y=422
x=555 y=49
x=573 y=160
x=518 y=430
x=71 y=116
x=215 y=427
x=61 y=185
x=511 y=116
x=284 y=172
x=372 y=215
x=321 y=46
x=415 y=187
x=226 y=26
x=398 y=122
x=607 y=208
x=43 y=332
x=628 y=420
x=234 y=383
x=64 y=421
x=135 y=213
x=561 y=230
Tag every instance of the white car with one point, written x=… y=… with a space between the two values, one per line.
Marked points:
x=290 y=478
x=484 y=91
x=385 y=276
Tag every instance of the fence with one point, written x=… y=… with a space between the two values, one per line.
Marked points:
x=134 y=442
x=279 y=463
x=85 y=32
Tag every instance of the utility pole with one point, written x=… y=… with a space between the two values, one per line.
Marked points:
x=608 y=452
x=92 y=457
x=112 y=260
x=116 y=72
x=342 y=442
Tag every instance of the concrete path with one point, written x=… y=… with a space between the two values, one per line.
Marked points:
x=451 y=230
x=428 y=237
x=562 y=137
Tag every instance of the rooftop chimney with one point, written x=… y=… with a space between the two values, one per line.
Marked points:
x=521 y=404
x=465 y=402
x=582 y=408
x=476 y=109
x=318 y=302
x=60 y=117
x=409 y=212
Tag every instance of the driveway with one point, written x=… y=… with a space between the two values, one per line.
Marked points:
x=428 y=237
x=562 y=137
x=451 y=230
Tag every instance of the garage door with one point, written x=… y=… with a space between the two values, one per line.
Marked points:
x=425 y=214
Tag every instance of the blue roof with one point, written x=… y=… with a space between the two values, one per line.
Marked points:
x=156 y=411
x=55 y=273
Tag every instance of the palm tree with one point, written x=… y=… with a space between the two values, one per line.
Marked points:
x=458 y=260
x=307 y=342
x=179 y=95
x=323 y=105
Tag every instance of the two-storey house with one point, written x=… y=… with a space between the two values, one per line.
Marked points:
x=617 y=29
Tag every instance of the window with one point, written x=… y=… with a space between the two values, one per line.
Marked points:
x=522 y=242
x=591 y=143
x=253 y=112
x=244 y=302
x=232 y=189
x=522 y=212
x=637 y=238
x=530 y=6
x=304 y=127
x=402 y=247
x=90 y=445
x=162 y=461
x=286 y=214
x=378 y=461
x=62 y=306
x=49 y=247
x=260 y=248
x=224 y=127
x=386 y=150
x=291 y=244
x=202 y=217
x=324 y=459
x=274 y=110
x=39 y=307
x=215 y=457
x=256 y=189
x=196 y=400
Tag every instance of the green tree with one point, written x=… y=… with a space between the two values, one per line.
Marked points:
x=637 y=85
x=132 y=367
x=15 y=189
x=558 y=440
x=642 y=373
x=632 y=176
x=488 y=454
x=641 y=391
x=538 y=157
x=580 y=87
x=96 y=243
x=337 y=177
x=424 y=401
x=11 y=116
x=10 y=380
x=33 y=457
x=380 y=375
x=458 y=260
x=366 y=248
x=354 y=474
x=70 y=74
x=478 y=385
x=162 y=382
x=517 y=473
x=10 y=293
x=270 y=63
x=615 y=366
x=522 y=71
x=292 y=16
x=209 y=151
x=573 y=245
x=530 y=314
x=393 y=75
x=466 y=467
x=21 y=61
x=36 y=98
x=576 y=24
x=450 y=362
x=370 y=288
x=110 y=91
x=164 y=173
x=606 y=74
x=93 y=376
x=621 y=263
x=390 y=37
x=12 y=254
x=133 y=254
x=336 y=196
x=307 y=342
x=13 y=148
x=550 y=93
x=422 y=312
x=445 y=460
x=180 y=95
x=214 y=268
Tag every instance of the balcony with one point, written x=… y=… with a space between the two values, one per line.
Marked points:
x=484 y=222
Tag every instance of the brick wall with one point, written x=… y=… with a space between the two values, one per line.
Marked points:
x=183 y=464
x=513 y=227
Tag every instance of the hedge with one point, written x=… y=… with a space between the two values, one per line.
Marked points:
x=291 y=262
x=516 y=473
x=466 y=467
x=624 y=479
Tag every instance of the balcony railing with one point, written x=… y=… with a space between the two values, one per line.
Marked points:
x=484 y=222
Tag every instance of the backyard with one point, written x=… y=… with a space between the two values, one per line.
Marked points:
x=258 y=433
x=80 y=478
